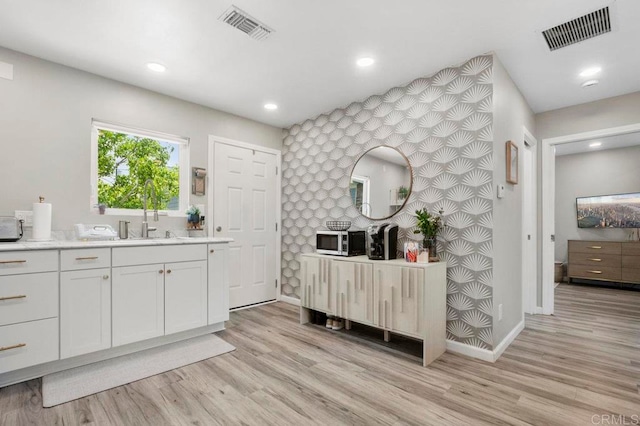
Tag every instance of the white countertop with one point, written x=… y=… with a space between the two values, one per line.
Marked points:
x=133 y=242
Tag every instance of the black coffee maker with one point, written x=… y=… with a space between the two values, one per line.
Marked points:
x=382 y=241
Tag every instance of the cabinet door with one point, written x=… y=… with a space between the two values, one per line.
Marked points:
x=398 y=293
x=218 y=282
x=318 y=292
x=354 y=287
x=85 y=311
x=185 y=296
x=138 y=303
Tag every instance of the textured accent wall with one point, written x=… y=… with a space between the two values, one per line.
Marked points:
x=443 y=124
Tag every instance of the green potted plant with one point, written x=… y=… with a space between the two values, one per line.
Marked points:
x=403 y=192
x=193 y=216
x=429 y=226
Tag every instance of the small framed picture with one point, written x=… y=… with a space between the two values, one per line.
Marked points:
x=512 y=163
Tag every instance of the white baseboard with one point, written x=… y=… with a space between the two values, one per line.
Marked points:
x=290 y=300
x=538 y=310
x=485 y=354
x=509 y=338
x=472 y=351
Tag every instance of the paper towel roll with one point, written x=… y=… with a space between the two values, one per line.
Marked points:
x=41 y=221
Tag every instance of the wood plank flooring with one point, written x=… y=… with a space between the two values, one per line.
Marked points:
x=564 y=369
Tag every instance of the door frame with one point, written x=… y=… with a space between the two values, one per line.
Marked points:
x=213 y=140
x=530 y=265
x=548 y=201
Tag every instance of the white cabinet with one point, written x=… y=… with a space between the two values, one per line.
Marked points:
x=392 y=295
x=85 y=311
x=354 y=291
x=28 y=297
x=138 y=303
x=28 y=343
x=317 y=290
x=218 y=283
x=399 y=292
x=185 y=296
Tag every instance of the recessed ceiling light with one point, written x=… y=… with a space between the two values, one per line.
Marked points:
x=590 y=72
x=154 y=66
x=270 y=107
x=365 y=62
x=595 y=144
x=590 y=83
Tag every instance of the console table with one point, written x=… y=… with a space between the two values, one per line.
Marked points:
x=614 y=261
x=393 y=295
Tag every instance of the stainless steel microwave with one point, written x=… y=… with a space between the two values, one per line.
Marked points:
x=341 y=243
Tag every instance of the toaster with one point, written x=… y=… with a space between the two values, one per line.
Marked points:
x=10 y=229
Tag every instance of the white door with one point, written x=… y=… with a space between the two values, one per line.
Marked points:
x=529 y=219
x=185 y=296
x=244 y=208
x=85 y=311
x=138 y=303
x=548 y=226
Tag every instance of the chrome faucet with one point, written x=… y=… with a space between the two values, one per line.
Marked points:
x=145 y=224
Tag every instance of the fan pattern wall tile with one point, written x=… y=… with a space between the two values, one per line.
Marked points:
x=443 y=124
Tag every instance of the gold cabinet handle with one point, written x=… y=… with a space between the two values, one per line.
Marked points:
x=21 y=296
x=6 y=262
x=168 y=271
x=7 y=348
x=595 y=272
x=160 y=271
x=595 y=260
x=87 y=258
x=105 y=277
x=595 y=247
x=212 y=251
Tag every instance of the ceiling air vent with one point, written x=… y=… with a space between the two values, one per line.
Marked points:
x=580 y=29
x=246 y=23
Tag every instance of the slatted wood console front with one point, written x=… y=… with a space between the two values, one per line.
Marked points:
x=393 y=295
x=613 y=261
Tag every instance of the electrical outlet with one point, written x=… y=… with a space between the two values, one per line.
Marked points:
x=26 y=216
x=500 y=312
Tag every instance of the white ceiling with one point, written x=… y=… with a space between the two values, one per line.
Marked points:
x=308 y=66
x=611 y=142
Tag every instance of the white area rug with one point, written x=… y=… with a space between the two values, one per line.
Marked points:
x=82 y=381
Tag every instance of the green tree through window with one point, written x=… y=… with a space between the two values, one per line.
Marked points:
x=126 y=161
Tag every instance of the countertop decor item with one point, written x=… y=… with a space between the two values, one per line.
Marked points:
x=193 y=217
x=41 y=221
x=429 y=226
x=338 y=225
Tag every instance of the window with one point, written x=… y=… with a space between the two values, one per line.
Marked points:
x=123 y=159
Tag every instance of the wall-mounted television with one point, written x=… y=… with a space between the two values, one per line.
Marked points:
x=609 y=211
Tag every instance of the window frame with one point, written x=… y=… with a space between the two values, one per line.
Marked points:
x=183 y=144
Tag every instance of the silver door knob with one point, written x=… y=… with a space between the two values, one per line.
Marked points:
x=219 y=228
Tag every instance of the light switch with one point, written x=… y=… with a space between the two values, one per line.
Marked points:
x=500 y=190
x=6 y=70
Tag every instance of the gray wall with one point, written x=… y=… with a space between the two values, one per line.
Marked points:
x=603 y=114
x=443 y=124
x=45 y=131
x=612 y=171
x=511 y=113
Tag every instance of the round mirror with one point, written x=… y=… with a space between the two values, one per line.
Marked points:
x=380 y=182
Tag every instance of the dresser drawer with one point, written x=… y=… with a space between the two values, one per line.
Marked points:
x=631 y=249
x=631 y=275
x=599 y=247
x=27 y=262
x=74 y=260
x=595 y=259
x=595 y=272
x=632 y=262
x=29 y=343
x=28 y=297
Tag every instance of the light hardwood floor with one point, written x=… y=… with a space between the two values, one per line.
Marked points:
x=584 y=361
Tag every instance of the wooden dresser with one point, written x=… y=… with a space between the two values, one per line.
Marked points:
x=605 y=261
